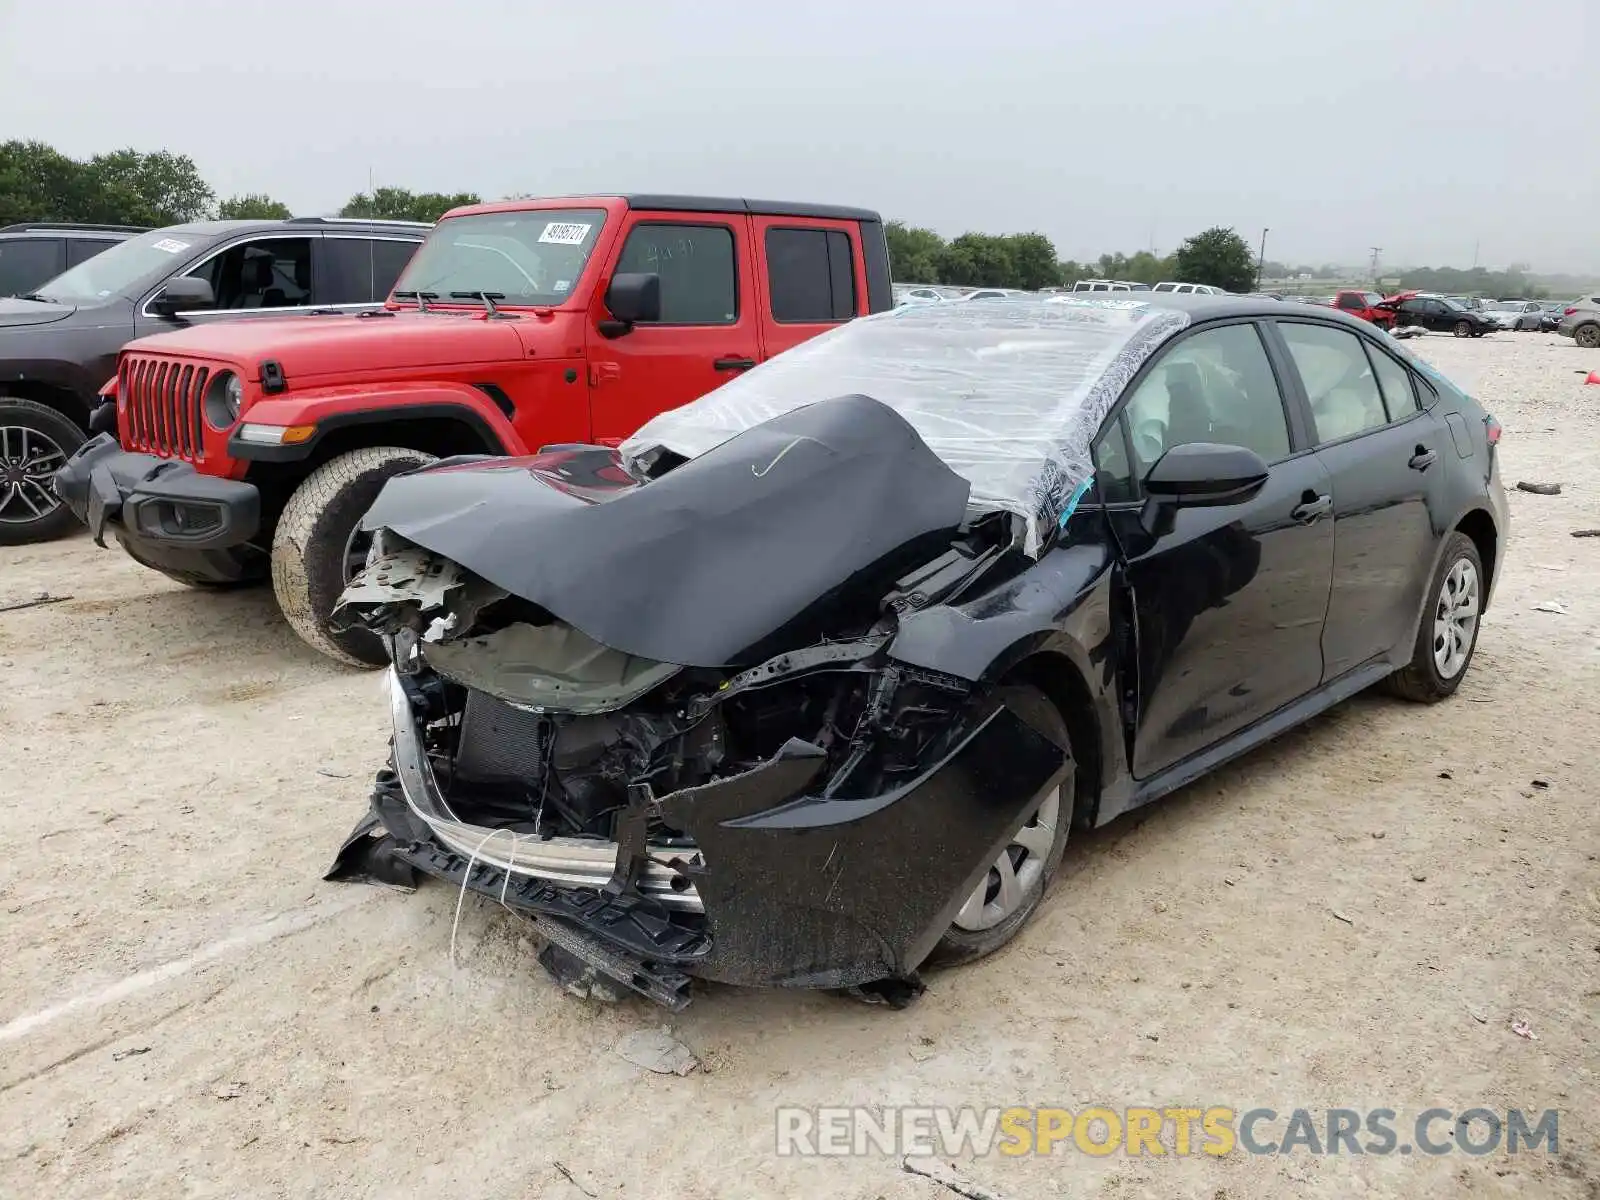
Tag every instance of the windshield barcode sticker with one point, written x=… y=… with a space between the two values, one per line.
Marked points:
x=170 y=245
x=565 y=233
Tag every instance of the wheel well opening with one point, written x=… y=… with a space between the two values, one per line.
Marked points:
x=64 y=400
x=439 y=436
x=1479 y=526
x=1057 y=678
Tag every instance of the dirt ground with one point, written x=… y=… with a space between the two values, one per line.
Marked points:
x=1352 y=917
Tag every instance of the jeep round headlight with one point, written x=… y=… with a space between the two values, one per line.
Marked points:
x=224 y=395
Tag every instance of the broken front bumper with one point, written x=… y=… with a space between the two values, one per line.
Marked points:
x=784 y=888
x=166 y=514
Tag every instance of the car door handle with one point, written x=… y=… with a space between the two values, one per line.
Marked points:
x=1422 y=459
x=734 y=364
x=1309 y=510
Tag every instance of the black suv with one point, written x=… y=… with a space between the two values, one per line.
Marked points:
x=59 y=341
x=38 y=251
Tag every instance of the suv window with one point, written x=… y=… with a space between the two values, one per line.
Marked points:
x=266 y=273
x=1399 y=393
x=811 y=275
x=1338 y=379
x=359 y=270
x=695 y=263
x=83 y=249
x=1214 y=386
x=389 y=258
x=25 y=263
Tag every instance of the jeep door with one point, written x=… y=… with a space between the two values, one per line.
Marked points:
x=708 y=330
x=815 y=278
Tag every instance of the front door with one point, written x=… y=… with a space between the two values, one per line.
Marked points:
x=709 y=331
x=1229 y=601
x=1385 y=459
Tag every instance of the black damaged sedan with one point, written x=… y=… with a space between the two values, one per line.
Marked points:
x=808 y=683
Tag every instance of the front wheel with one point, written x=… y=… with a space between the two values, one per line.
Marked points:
x=1448 y=634
x=1014 y=885
x=1587 y=336
x=1462 y=329
x=35 y=440
x=318 y=547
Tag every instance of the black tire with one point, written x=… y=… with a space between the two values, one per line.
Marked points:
x=28 y=432
x=962 y=945
x=1462 y=329
x=1422 y=680
x=1587 y=336
x=309 y=549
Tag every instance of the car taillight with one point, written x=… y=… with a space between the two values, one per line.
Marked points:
x=1567 y=312
x=1492 y=428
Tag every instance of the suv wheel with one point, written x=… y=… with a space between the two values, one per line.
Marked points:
x=1587 y=336
x=317 y=547
x=34 y=440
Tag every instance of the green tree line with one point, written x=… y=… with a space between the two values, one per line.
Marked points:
x=130 y=187
x=1218 y=256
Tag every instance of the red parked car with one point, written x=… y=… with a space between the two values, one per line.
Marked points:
x=1364 y=305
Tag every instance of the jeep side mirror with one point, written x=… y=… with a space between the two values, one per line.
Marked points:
x=631 y=298
x=182 y=294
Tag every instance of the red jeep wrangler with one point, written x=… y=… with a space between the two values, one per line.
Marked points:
x=1364 y=305
x=517 y=325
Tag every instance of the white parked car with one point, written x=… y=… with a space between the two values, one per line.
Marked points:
x=995 y=294
x=917 y=294
x=1109 y=285
x=1201 y=289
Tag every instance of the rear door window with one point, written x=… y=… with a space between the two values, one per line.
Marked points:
x=25 y=263
x=1399 y=393
x=1338 y=378
x=389 y=258
x=811 y=275
x=345 y=276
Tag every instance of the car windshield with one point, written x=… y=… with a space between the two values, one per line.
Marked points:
x=524 y=257
x=1009 y=396
x=126 y=269
x=1453 y=304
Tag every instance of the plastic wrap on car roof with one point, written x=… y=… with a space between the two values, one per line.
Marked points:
x=1008 y=393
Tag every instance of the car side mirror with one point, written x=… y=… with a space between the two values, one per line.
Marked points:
x=632 y=298
x=182 y=294
x=1200 y=474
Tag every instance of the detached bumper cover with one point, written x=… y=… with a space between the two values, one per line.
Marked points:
x=164 y=512
x=784 y=888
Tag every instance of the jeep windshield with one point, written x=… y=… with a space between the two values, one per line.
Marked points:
x=526 y=257
x=126 y=269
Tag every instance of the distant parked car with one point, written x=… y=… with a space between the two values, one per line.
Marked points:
x=1364 y=305
x=1515 y=314
x=1109 y=285
x=995 y=294
x=36 y=252
x=916 y=295
x=1442 y=314
x=1550 y=316
x=1580 y=321
x=1192 y=289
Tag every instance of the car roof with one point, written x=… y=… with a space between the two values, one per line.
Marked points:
x=668 y=202
x=64 y=229
x=223 y=228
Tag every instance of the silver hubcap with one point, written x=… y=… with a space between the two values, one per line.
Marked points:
x=1455 y=620
x=1016 y=872
x=28 y=462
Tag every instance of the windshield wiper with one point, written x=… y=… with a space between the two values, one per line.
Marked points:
x=488 y=299
x=421 y=298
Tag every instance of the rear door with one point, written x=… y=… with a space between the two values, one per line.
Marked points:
x=709 y=329
x=814 y=278
x=1385 y=459
x=1230 y=601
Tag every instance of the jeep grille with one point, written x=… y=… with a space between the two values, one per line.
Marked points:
x=165 y=410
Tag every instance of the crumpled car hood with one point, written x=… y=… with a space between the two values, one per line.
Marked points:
x=701 y=565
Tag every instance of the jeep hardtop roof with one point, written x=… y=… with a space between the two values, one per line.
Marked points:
x=670 y=203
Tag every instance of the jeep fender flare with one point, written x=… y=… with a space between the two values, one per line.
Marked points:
x=335 y=408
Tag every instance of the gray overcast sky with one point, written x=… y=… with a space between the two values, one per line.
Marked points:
x=1421 y=127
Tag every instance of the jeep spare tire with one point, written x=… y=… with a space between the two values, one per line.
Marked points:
x=316 y=550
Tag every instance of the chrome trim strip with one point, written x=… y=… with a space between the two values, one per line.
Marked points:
x=573 y=862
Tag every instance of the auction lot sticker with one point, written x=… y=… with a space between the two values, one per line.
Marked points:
x=565 y=233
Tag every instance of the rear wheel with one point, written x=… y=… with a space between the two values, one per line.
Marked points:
x=318 y=548
x=1015 y=884
x=35 y=440
x=1448 y=634
x=1587 y=336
